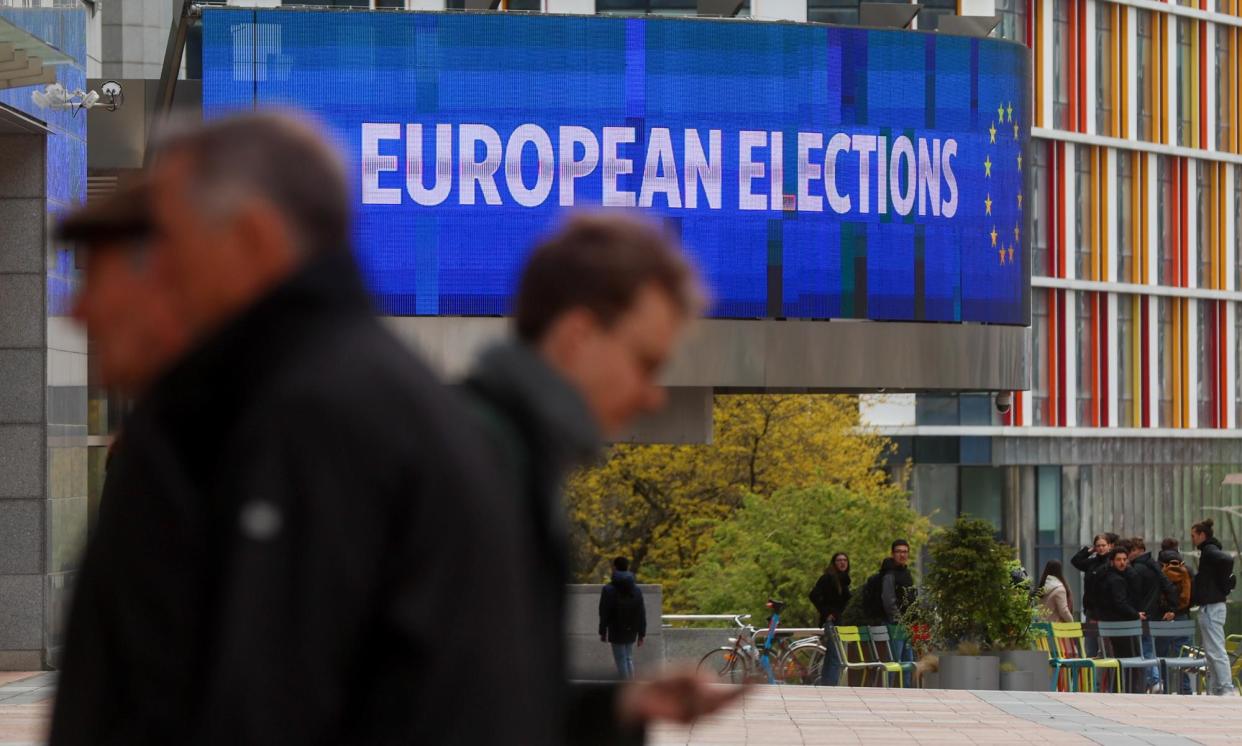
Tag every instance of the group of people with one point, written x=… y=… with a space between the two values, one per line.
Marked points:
x=1122 y=581
x=886 y=595
x=304 y=536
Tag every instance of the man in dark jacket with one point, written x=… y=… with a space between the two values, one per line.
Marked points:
x=622 y=616
x=1212 y=586
x=897 y=593
x=275 y=558
x=1113 y=602
x=1151 y=593
x=598 y=311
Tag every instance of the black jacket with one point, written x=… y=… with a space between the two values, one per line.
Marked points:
x=1150 y=590
x=279 y=553
x=1213 y=582
x=622 y=615
x=539 y=429
x=1113 y=598
x=830 y=595
x=897 y=591
x=1093 y=567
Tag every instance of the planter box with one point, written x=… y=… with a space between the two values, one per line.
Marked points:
x=980 y=672
x=1034 y=662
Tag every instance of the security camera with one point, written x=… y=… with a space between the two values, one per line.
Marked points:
x=1003 y=402
x=111 y=89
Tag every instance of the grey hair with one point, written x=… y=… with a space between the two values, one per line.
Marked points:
x=275 y=156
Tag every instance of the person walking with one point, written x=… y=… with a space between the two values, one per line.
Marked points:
x=622 y=616
x=1153 y=594
x=1180 y=575
x=1212 y=585
x=830 y=596
x=1092 y=561
x=274 y=554
x=599 y=310
x=1055 y=604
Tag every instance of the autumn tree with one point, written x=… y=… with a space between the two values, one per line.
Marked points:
x=659 y=504
x=777 y=546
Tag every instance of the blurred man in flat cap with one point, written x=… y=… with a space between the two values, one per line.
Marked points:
x=292 y=533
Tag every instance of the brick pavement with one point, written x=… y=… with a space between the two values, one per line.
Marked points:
x=25 y=703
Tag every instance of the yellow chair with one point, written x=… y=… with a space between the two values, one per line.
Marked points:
x=1066 y=652
x=1233 y=646
x=850 y=639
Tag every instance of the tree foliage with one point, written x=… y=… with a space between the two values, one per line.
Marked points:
x=968 y=593
x=659 y=504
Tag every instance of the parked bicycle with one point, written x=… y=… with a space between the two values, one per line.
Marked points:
x=777 y=660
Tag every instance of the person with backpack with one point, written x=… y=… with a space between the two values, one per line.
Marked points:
x=622 y=616
x=888 y=593
x=1182 y=578
x=1211 y=587
x=1153 y=594
x=830 y=595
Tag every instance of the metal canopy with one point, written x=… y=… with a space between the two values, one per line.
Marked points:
x=969 y=25
x=26 y=59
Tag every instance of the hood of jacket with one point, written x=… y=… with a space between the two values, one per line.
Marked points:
x=623 y=580
x=1148 y=561
x=1212 y=542
x=1170 y=555
x=1052 y=583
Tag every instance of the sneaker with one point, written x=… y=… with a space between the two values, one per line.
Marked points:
x=1156 y=688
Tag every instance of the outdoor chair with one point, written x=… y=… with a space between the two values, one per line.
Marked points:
x=1233 y=648
x=849 y=643
x=1185 y=663
x=880 y=634
x=1111 y=632
x=1066 y=654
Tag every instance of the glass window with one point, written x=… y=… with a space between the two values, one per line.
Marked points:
x=982 y=494
x=930 y=409
x=1084 y=251
x=1185 y=134
x=1040 y=244
x=1013 y=20
x=1125 y=232
x=1143 y=83
x=330 y=3
x=843 y=12
x=1048 y=516
x=1060 y=66
x=1204 y=240
x=1127 y=361
x=1104 y=68
x=976 y=409
x=1086 y=370
x=929 y=17
x=1224 y=93
x=1237 y=231
x=1165 y=329
x=1164 y=220
x=1039 y=355
x=1207 y=363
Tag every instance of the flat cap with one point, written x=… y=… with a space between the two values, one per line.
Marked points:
x=122 y=215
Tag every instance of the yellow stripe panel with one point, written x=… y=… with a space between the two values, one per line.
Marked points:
x=1121 y=43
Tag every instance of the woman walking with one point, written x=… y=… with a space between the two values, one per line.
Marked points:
x=830 y=596
x=1055 y=601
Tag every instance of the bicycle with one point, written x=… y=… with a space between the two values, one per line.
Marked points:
x=744 y=660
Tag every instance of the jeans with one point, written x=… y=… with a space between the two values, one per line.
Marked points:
x=1212 y=635
x=623 y=655
x=903 y=651
x=1171 y=647
x=1149 y=652
x=831 y=675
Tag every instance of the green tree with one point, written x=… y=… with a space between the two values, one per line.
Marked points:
x=777 y=547
x=659 y=504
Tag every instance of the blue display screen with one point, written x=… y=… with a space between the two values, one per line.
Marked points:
x=812 y=171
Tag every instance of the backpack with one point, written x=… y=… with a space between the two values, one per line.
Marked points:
x=873 y=596
x=1179 y=576
x=629 y=611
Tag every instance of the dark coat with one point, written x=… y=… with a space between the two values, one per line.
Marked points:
x=897 y=591
x=539 y=429
x=1093 y=567
x=1213 y=582
x=622 y=615
x=1113 y=599
x=280 y=546
x=1151 y=591
x=830 y=595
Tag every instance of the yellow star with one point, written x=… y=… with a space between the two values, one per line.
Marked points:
x=992 y=131
x=1011 y=255
x=1015 y=233
x=987 y=165
x=1019 y=200
x=1019 y=161
x=1009 y=113
x=994 y=234
x=987 y=203
x=1000 y=112
x=1015 y=130
x=1001 y=251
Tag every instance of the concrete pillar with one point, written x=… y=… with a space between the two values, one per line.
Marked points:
x=591 y=659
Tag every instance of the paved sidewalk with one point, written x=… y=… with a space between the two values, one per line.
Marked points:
x=834 y=715
x=25 y=705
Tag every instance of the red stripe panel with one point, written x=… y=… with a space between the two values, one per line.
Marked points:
x=1145 y=359
x=1061 y=398
x=1103 y=370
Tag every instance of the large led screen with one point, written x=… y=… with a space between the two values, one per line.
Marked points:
x=813 y=171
